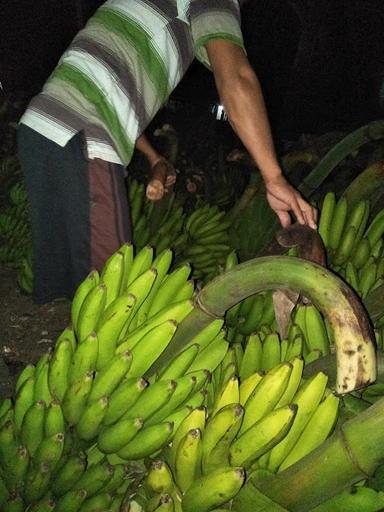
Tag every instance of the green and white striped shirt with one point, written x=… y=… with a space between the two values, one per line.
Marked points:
x=120 y=69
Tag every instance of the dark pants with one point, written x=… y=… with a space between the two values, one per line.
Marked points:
x=78 y=210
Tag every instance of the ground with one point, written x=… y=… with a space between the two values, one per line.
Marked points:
x=27 y=330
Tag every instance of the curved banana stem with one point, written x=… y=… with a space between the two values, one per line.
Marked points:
x=355 y=349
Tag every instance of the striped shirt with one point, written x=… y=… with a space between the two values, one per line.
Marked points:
x=121 y=68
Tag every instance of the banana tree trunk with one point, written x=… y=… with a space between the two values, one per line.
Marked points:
x=351 y=454
x=355 y=351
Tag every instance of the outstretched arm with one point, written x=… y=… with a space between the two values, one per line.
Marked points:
x=240 y=92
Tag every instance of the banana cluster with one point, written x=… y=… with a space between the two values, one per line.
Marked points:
x=264 y=423
x=148 y=228
x=354 y=243
x=206 y=243
x=40 y=467
x=15 y=233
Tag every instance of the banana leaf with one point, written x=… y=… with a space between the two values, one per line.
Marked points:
x=350 y=143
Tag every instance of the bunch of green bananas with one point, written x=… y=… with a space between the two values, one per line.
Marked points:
x=148 y=229
x=354 y=244
x=264 y=423
x=207 y=242
x=40 y=469
x=15 y=233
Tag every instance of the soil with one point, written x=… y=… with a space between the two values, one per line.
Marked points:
x=27 y=330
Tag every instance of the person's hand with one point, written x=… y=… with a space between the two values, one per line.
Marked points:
x=283 y=198
x=162 y=178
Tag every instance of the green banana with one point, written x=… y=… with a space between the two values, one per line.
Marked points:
x=159 y=478
x=180 y=364
x=111 y=326
x=54 y=419
x=32 y=427
x=122 y=398
x=168 y=289
x=95 y=478
x=107 y=379
x=114 y=437
x=188 y=459
x=326 y=216
x=69 y=474
x=111 y=277
x=317 y=337
x=152 y=399
x=50 y=450
x=213 y=490
x=217 y=426
x=90 y=421
x=27 y=372
x=307 y=399
x=176 y=312
x=141 y=262
x=41 y=388
x=23 y=401
x=84 y=358
x=150 y=347
x=82 y=291
x=91 y=309
x=58 y=372
x=75 y=398
x=262 y=436
x=148 y=441
x=194 y=420
x=248 y=385
x=338 y=221
x=184 y=388
x=271 y=354
x=266 y=395
x=71 y=501
x=315 y=432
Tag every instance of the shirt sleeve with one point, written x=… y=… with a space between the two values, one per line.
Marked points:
x=214 y=19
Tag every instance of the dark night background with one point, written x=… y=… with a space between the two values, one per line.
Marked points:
x=320 y=62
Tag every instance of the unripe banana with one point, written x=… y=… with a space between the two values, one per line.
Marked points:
x=124 y=396
x=23 y=401
x=262 y=436
x=168 y=289
x=69 y=474
x=147 y=442
x=54 y=419
x=90 y=311
x=84 y=358
x=251 y=362
x=152 y=399
x=111 y=277
x=338 y=222
x=32 y=428
x=188 y=459
x=159 y=478
x=180 y=364
x=248 y=385
x=307 y=399
x=326 y=216
x=82 y=291
x=90 y=421
x=266 y=395
x=107 y=380
x=95 y=478
x=50 y=450
x=71 y=501
x=213 y=490
x=27 y=372
x=75 y=399
x=271 y=354
x=114 y=437
x=58 y=372
x=196 y=419
x=315 y=432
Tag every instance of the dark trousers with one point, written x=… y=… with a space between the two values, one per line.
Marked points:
x=78 y=211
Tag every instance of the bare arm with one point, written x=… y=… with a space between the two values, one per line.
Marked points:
x=239 y=90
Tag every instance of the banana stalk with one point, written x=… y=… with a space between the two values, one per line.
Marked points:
x=369 y=184
x=350 y=143
x=350 y=455
x=355 y=350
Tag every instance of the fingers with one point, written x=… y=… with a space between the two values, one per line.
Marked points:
x=308 y=213
x=284 y=218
